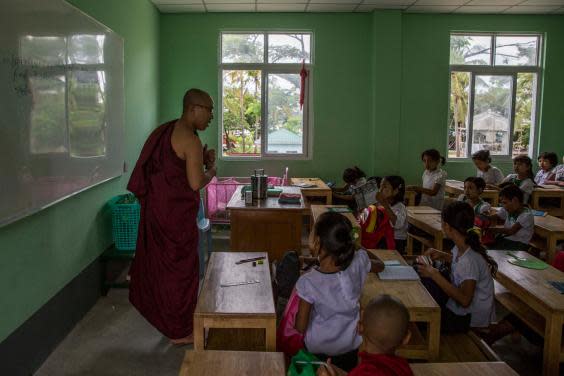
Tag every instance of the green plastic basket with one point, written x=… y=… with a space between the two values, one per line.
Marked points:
x=125 y=221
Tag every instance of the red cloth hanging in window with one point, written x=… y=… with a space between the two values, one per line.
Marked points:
x=303 y=75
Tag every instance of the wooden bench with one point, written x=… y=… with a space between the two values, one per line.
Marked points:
x=465 y=347
x=463 y=369
x=223 y=363
x=516 y=306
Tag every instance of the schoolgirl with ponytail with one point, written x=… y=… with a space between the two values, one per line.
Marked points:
x=470 y=289
x=329 y=294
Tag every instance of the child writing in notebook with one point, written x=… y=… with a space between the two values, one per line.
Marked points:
x=547 y=168
x=473 y=188
x=470 y=290
x=384 y=327
x=491 y=174
x=390 y=196
x=519 y=222
x=329 y=294
x=434 y=180
x=523 y=176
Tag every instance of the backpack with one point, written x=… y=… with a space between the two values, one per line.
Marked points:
x=287 y=274
x=377 y=231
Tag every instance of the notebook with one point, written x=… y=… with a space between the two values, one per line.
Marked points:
x=399 y=273
x=558 y=285
x=340 y=210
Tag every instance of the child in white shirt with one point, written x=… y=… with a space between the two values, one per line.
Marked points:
x=547 y=164
x=329 y=308
x=434 y=180
x=523 y=176
x=519 y=222
x=491 y=174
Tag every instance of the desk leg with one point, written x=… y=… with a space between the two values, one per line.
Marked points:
x=271 y=335
x=329 y=198
x=409 y=245
x=552 y=345
x=439 y=242
x=199 y=334
x=535 y=199
x=434 y=336
x=550 y=248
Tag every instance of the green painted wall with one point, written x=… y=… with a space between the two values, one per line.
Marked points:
x=424 y=93
x=380 y=84
x=42 y=253
x=342 y=82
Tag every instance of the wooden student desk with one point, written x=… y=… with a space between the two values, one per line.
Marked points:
x=526 y=293
x=463 y=369
x=231 y=363
x=266 y=225
x=551 y=229
x=420 y=304
x=428 y=220
x=317 y=210
x=245 y=306
x=548 y=191
x=455 y=188
x=320 y=190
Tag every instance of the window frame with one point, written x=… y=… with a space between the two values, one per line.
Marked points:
x=266 y=69
x=499 y=70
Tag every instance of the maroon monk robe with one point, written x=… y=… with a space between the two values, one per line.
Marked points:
x=164 y=273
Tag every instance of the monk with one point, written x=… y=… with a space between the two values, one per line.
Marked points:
x=172 y=168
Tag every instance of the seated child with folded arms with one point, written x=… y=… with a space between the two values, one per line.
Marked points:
x=547 y=168
x=470 y=287
x=384 y=327
x=523 y=176
x=519 y=222
x=329 y=294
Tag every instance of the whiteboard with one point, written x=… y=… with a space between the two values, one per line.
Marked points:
x=61 y=105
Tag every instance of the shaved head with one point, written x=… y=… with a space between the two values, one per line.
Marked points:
x=385 y=322
x=196 y=97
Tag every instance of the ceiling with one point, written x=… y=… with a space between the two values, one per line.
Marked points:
x=411 y=6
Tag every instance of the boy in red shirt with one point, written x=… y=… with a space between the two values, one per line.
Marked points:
x=384 y=327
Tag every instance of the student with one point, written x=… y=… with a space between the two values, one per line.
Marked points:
x=390 y=196
x=434 y=179
x=547 y=164
x=491 y=174
x=558 y=175
x=519 y=222
x=384 y=327
x=473 y=188
x=523 y=176
x=353 y=177
x=329 y=294
x=470 y=289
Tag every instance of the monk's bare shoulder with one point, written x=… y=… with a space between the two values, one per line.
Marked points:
x=185 y=142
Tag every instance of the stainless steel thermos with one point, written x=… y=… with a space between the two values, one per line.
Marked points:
x=259 y=184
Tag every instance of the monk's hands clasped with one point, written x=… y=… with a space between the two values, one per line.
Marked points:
x=209 y=157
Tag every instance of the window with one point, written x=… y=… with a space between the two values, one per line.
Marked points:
x=494 y=86
x=67 y=82
x=261 y=114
